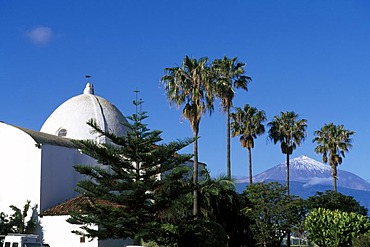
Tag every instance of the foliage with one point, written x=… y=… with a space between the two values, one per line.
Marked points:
x=219 y=219
x=217 y=195
x=229 y=75
x=332 y=142
x=335 y=228
x=272 y=211
x=247 y=123
x=5 y=227
x=219 y=207
x=202 y=233
x=363 y=240
x=191 y=86
x=220 y=203
x=290 y=131
x=135 y=183
x=334 y=200
x=18 y=219
x=16 y=222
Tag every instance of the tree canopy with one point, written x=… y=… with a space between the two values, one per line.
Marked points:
x=335 y=201
x=333 y=141
x=137 y=180
x=247 y=122
x=17 y=222
x=229 y=75
x=290 y=131
x=191 y=86
x=272 y=211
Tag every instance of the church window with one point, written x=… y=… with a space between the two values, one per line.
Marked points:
x=62 y=132
x=82 y=239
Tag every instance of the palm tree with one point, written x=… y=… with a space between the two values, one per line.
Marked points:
x=219 y=202
x=18 y=222
x=216 y=194
x=229 y=75
x=290 y=131
x=190 y=85
x=247 y=123
x=332 y=142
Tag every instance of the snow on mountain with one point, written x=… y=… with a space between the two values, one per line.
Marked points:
x=311 y=172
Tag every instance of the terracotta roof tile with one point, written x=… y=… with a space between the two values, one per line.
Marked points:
x=73 y=205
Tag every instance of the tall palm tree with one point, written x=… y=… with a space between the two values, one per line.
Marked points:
x=332 y=142
x=190 y=85
x=247 y=123
x=229 y=76
x=290 y=131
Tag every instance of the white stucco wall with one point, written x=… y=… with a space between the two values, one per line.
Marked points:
x=59 y=178
x=57 y=233
x=44 y=174
x=20 y=169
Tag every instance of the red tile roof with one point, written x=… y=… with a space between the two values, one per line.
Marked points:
x=74 y=205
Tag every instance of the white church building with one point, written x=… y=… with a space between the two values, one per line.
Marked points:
x=38 y=165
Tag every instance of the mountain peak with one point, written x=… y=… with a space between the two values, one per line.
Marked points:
x=304 y=162
x=311 y=172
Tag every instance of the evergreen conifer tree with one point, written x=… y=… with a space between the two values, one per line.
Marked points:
x=135 y=185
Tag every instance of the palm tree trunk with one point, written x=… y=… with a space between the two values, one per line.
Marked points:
x=334 y=174
x=287 y=174
x=228 y=164
x=195 y=174
x=250 y=165
x=288 y=192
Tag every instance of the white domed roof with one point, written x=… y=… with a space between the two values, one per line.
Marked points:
x=70 y=118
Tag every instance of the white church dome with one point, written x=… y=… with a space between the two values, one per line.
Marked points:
x=70 y=118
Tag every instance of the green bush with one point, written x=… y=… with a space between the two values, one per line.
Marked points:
x=362 y=240
x=335 y=228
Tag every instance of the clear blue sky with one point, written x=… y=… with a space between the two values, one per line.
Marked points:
x=311 y=57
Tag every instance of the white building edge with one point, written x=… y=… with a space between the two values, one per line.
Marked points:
x=38 y=166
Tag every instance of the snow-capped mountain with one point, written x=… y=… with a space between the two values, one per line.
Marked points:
x=311 y=172
x=308 y=176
